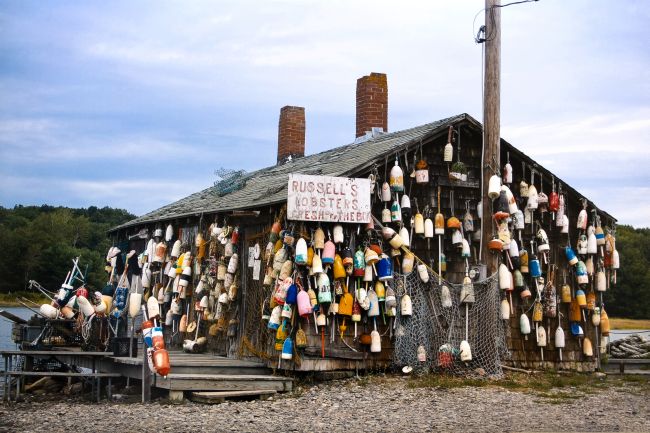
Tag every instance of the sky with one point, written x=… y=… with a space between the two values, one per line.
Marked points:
x=135 y=104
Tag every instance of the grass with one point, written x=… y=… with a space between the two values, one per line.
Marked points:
x=9 y=299
x=622 y=324
x=553 y=388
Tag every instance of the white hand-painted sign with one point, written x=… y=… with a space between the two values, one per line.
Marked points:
x=328 y=199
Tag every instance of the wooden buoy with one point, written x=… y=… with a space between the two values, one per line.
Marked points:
x=559 y=340
x=587 y=348
x=595 y=316
x=604 y=322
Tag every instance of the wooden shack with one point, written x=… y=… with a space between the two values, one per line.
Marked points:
x=252 y=202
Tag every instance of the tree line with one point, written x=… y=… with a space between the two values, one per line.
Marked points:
x=39 y=243
x=630 y=296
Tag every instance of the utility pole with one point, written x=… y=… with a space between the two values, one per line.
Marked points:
x=491 y=122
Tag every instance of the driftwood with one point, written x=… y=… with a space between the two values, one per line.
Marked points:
x=46 y=384
x=519 y=370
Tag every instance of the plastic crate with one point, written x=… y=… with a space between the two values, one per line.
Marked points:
x=25 y=333
x=61 y=333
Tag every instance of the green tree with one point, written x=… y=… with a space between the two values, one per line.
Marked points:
x=630 y=296
x=39 y=243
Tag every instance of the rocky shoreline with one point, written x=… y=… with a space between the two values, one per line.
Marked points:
x=355 y=405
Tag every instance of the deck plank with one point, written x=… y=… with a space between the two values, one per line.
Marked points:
x=224 y=382
x=216 y=397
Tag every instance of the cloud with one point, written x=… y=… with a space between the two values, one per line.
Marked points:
x=38 y=141
x=603 y=155
x=137 y=196
x=624 y=132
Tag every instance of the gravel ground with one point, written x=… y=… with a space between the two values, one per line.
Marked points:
x=367 y=405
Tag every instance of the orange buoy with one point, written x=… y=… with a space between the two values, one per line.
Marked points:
x=161 y=362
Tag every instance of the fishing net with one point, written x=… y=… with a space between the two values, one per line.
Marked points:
x=440 y=329
x=257 y=340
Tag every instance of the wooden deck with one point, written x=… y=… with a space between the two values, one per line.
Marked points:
x=634 y=366
x=215 y=397
x=189 y=372
x=205 y=372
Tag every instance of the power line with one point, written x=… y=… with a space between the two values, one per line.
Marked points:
x=480 y=36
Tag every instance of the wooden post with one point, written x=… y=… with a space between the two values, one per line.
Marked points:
x=146 y=376
x=491 y=119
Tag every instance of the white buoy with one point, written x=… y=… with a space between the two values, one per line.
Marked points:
x=49 y=311
x=445 y=297
x=169 y=233
x=85 y=306
x=533 y=198
x=524 y=326
x=592 y=243
x=494 y=187
x=385 y=192
x=448 y=153
x=505 y=309
x=406 y=307
x=465 y=351
x=153 y=308
x=375 y=341
x=338 y=234
x=467 y=291
x=507 y=173
x=505 y=277
x=146 y=276
x=404 y=234
x=150 y=251
x=176 y=249
x=541 y=339
x=601 y=281
x=423 y=273
x=559 y=340
x=135 y=300
x=428 y=228
x=232 y=264
x=595 y=317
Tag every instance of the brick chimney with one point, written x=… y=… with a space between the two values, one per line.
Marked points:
x=291 y=133
x=372 y=103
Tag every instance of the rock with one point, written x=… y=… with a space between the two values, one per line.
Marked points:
x=387 y=404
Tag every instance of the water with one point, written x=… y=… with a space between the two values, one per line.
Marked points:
x=617 y=335
x=6 y=343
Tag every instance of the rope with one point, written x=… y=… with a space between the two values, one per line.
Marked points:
x=246 y=343
x=632 y=347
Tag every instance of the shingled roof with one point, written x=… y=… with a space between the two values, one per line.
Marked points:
x=269 y=185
